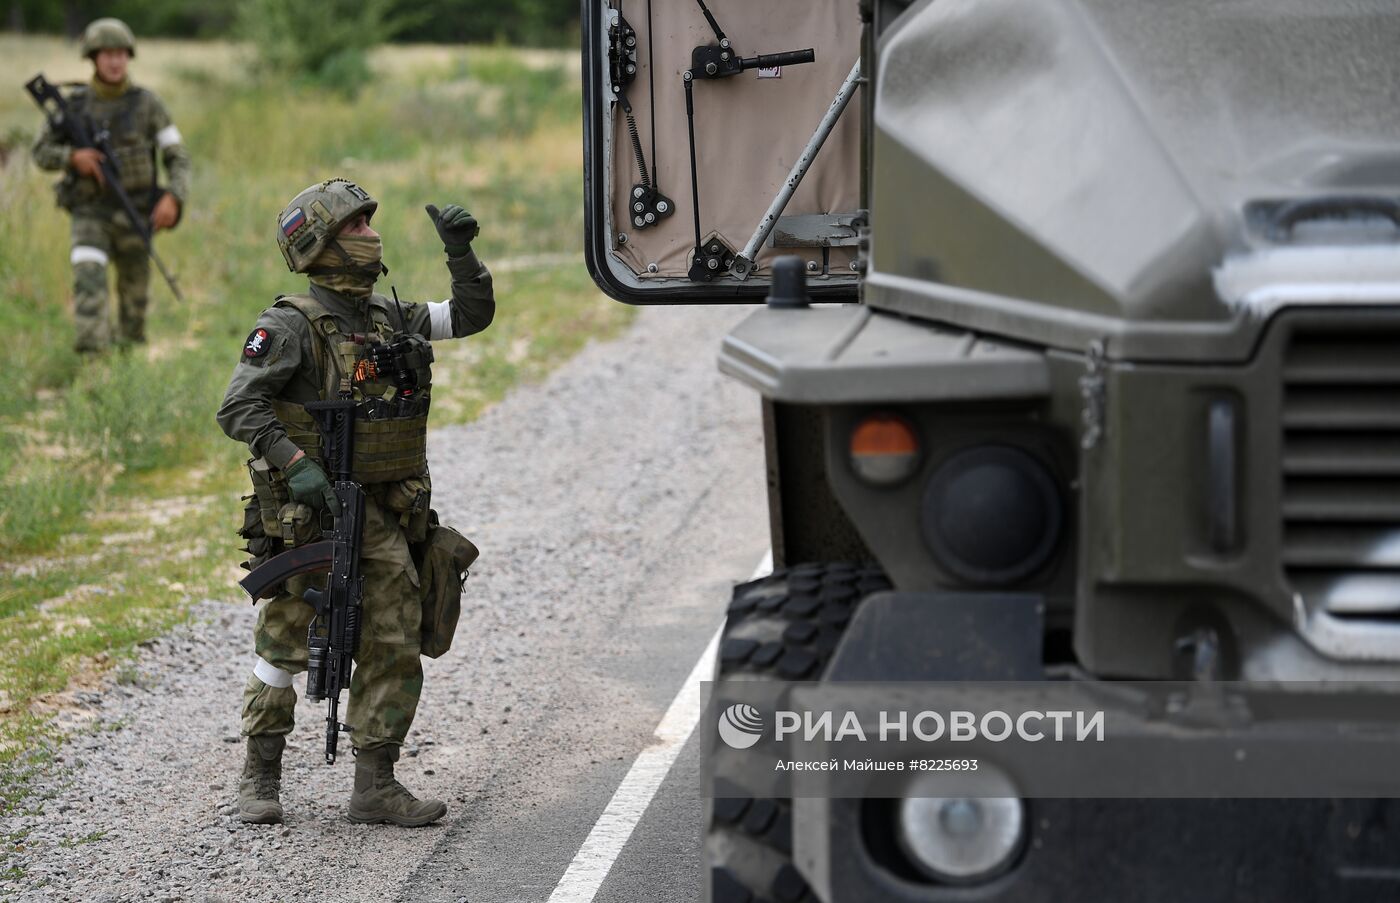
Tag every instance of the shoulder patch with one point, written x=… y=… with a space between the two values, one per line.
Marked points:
x=259 y=340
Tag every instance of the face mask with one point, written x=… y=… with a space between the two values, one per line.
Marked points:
x=356 y=276
x=108 y=90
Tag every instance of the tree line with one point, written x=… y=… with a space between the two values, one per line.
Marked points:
x=529 y=22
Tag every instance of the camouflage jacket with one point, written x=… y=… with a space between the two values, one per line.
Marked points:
x=140 y=129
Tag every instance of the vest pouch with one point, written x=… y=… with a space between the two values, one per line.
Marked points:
x=259 y=546
x=270 y=489
x=443 y=559
x=388 y=451
x=298 y=524
x=409 y=499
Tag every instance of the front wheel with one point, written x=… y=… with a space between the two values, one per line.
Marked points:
x=783 y=627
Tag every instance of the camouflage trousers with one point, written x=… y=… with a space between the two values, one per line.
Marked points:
x=101 y=235
x=388 y=675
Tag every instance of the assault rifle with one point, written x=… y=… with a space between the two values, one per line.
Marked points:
x=334 y=633
x=79 y=134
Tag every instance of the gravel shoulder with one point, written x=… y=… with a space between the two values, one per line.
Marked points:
x=614 y=504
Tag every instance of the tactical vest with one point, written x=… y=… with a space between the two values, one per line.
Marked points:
x=391 y=431
x=129 y=123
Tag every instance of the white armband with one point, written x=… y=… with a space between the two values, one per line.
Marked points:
x=439 y=320
x=168 y=137
x=271 y=675
x=87 y=254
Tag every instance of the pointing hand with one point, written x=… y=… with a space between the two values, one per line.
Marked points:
x=455 y=226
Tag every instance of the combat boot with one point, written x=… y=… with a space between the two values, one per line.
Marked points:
x=262 y=780
x=378 y=797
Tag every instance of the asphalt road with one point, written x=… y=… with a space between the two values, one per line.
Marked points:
x=614 y=504
x=643 y=618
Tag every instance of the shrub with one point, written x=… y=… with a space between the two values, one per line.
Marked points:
x=325 y=43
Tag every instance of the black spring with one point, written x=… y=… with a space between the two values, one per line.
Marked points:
x=637 y=149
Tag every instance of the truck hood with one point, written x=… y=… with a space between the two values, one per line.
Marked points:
x=1065 y=171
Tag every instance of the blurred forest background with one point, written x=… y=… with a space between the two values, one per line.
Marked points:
x=537 y=23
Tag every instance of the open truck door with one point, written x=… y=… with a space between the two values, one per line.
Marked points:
x=718 y=136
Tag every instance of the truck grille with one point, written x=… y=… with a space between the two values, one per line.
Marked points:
x=1341 y=468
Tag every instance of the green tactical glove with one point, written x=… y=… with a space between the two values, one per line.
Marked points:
x=455 y=226
x=308 y=484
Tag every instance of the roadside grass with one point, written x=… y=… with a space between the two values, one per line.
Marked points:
x=118 y=493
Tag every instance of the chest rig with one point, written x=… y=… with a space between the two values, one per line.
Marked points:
x=127 y=122
x=388 y=372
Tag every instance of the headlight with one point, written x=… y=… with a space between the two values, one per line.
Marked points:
x=992 y=514
x=961 y=840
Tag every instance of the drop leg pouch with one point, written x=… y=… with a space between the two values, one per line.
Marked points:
x=443 y=559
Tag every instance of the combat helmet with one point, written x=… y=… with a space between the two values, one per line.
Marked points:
x=107 y=34
x=308 y=225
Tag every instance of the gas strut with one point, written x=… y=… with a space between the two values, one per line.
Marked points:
x=743 y=263
x=712 y=62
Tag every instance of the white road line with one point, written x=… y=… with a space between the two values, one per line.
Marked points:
x=610 y=834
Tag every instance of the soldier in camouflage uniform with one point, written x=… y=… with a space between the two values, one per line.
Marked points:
x=316 y=346
x=140 y=130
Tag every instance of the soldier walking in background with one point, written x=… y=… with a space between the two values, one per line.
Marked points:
x=139 y=129
x=330 y=343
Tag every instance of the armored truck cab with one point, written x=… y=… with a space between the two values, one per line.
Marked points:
x=1101 y=321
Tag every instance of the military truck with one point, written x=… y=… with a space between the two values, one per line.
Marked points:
x=1081 y=345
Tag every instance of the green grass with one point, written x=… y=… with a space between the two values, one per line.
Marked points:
x=120 y=493
x=129 y=576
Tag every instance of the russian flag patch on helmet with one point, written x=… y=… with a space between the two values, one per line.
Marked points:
x=293 y=221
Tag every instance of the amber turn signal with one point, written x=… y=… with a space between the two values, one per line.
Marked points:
x=884 y=449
